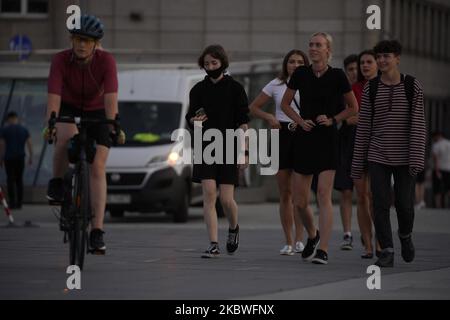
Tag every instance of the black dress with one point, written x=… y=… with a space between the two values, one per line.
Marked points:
x=317 y=150
x=226 y=106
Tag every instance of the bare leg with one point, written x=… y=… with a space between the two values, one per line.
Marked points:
x=64 y=132
x=346 y=210
x=98 y=186
x=286 y=204
x=363 y=212
x=229 y=205
x=301 y=191
x=209 y=208
x=324 y=190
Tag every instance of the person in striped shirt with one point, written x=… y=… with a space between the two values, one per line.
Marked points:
x=390 y=141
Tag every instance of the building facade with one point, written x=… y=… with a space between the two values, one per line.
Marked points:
x=177 y=31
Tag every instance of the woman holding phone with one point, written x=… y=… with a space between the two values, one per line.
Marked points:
x=218 y=102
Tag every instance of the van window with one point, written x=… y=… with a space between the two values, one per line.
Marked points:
x=149 y=123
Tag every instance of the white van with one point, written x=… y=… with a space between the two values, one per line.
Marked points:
x=145 y=174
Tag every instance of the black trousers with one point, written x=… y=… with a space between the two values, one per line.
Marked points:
x=404 y=186
x=14 y=172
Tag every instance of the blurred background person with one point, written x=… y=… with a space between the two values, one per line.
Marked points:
x=13 y=138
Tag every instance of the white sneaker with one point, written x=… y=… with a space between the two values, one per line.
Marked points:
x=287 y=251
x=299 y=247
x=420 y=205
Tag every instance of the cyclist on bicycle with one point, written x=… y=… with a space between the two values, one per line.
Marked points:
x=83 y=83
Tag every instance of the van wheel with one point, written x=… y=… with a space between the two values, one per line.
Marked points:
x=117 y=213
x=180 y=214
x=219 y=209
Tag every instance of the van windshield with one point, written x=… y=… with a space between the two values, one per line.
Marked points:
x=149 y=123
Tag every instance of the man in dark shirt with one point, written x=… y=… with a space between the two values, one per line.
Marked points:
x=13 y=137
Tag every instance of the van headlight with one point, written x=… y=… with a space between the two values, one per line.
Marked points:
x=172 y=159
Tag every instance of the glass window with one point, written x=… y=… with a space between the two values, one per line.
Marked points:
x=11 y=6
x=149 y=122
x=24 y=7
x=37 y=6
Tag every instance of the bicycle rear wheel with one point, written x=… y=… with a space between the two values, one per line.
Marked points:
x=78 y=235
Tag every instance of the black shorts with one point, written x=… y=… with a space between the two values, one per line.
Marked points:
x=222 y=173
x=315 y=151
x=420 y=178
x=100 y=133
x=286 y=147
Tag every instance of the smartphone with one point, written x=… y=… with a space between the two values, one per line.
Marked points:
x=200 y=112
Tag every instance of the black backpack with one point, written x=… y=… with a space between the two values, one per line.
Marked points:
x=409 y=91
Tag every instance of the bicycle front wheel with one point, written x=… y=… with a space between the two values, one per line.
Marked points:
x=78 y=234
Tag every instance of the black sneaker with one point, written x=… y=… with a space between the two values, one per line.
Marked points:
x=310 y=249
x=347 y=243
x=55 y=190
x=321 y=257
x=386 y=259
x=212 y=251
x=96 y=243
x=408 y=250
x=233 y=240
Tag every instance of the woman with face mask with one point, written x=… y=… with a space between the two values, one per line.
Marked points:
x=218 y=102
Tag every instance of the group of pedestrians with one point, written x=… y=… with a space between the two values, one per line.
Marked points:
x=357 y=128
x=350 y=129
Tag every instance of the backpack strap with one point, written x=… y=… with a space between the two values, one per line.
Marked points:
x=373 y=88
x=409 y=89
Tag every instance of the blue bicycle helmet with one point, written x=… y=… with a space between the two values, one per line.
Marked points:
x=90 y=26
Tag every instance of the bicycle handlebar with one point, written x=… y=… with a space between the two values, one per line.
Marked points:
x=79 y=121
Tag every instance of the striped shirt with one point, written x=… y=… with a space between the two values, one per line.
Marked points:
x=397 y=137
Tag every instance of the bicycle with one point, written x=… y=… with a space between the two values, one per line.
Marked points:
x=75 y=212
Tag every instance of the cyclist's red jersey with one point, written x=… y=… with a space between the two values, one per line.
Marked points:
x=83 y=86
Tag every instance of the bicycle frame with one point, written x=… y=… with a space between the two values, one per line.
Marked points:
x=79 y=211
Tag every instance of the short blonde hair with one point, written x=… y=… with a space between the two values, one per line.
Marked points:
x=329 y=40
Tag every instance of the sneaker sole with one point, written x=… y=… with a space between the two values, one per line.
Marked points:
x=287 y=254
x=309 y=258
x=209 y=256
x=97 y=252
x=347 y=248
x=319 y=261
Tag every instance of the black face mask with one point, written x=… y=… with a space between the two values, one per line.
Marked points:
x=214 y=74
